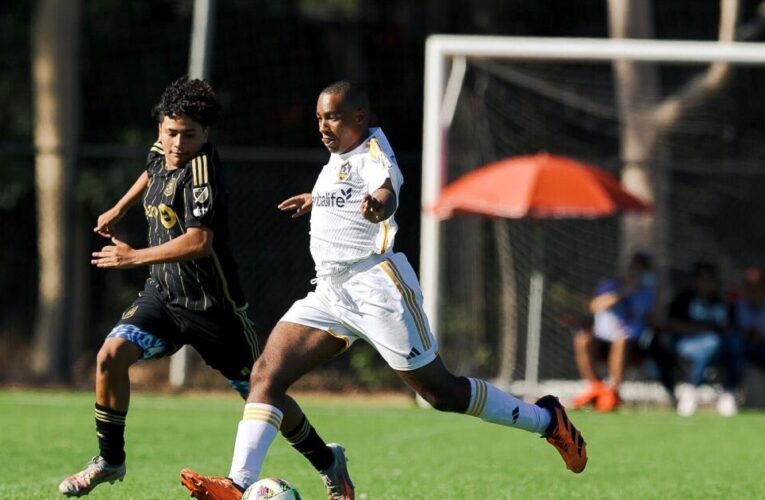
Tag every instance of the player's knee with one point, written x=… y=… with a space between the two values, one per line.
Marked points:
x=264 y=383
x=114 y=356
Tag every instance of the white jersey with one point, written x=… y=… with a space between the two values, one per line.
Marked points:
x=340 y=235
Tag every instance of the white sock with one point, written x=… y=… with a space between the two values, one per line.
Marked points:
x=257 y=430
x=495 y=406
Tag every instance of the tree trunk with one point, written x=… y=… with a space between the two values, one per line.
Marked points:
x=55 y=40
x=647 y=120
x=637 y=92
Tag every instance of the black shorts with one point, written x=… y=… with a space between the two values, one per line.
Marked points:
x=225 y=338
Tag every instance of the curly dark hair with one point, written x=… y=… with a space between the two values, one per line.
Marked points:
x=193 y=98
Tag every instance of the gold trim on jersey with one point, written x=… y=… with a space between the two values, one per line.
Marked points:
x=199 y=170
x=386 y=230
x=157 y=148
x=223 y=280
x=477 y=398
x=376 y=153
x=410 y=300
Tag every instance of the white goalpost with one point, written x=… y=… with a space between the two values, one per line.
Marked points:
x=446 y=59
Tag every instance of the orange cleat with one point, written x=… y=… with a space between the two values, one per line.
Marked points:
x=562 y=434
x=607 y=401
x=209 y=487
x=591 y=395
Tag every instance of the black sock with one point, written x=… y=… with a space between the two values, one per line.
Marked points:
x=305 y=440
x=110 y=429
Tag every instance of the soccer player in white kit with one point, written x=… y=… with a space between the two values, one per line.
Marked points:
x=364 y=290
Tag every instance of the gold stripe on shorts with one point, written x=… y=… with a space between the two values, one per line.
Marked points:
x=409 y=299
x=416 y=308
x=249 y=333
x=339 y=337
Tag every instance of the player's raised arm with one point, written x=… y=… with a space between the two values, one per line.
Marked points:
x=300 y=203
x=107 y=219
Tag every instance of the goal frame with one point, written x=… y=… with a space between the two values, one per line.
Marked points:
x=441 y=93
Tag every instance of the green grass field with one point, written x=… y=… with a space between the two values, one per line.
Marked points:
x=397 y=451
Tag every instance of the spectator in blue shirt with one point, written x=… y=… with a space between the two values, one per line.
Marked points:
x=621 y=310
x=698 y=318
x=746 y=338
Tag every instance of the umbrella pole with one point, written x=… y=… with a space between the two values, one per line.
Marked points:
x=534 y=323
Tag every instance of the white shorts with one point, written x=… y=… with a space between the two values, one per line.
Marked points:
x=608 y=326
x=378 y=300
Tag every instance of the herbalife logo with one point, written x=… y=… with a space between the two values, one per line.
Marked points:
x=332 y=199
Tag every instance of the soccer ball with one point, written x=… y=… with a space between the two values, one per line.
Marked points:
x=271 y=488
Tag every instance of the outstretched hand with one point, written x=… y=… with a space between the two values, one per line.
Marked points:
x=120 y=255
x=105 y=222
x=300 y=203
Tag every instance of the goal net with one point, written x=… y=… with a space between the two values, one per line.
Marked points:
x=493 y=98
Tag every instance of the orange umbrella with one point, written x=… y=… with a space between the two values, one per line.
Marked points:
x=537 y=186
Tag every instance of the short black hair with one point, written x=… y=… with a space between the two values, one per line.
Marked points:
x=193 y=98
x=354 y=94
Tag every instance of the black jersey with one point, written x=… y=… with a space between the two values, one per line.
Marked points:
x=191 y=196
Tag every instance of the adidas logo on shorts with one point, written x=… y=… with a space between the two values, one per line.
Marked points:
x=413 y=353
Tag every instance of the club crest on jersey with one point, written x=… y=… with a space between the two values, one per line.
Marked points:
x=344 y=171
x=169 y=188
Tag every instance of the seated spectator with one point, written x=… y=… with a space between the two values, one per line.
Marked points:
x=746 y=340
x=751 y=319
x=697 y=320
x=621 y=308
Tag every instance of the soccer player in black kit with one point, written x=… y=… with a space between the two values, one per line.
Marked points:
x=192 y=296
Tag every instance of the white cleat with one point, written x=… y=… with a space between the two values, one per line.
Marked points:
x=336 y=478
x=98 y=471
